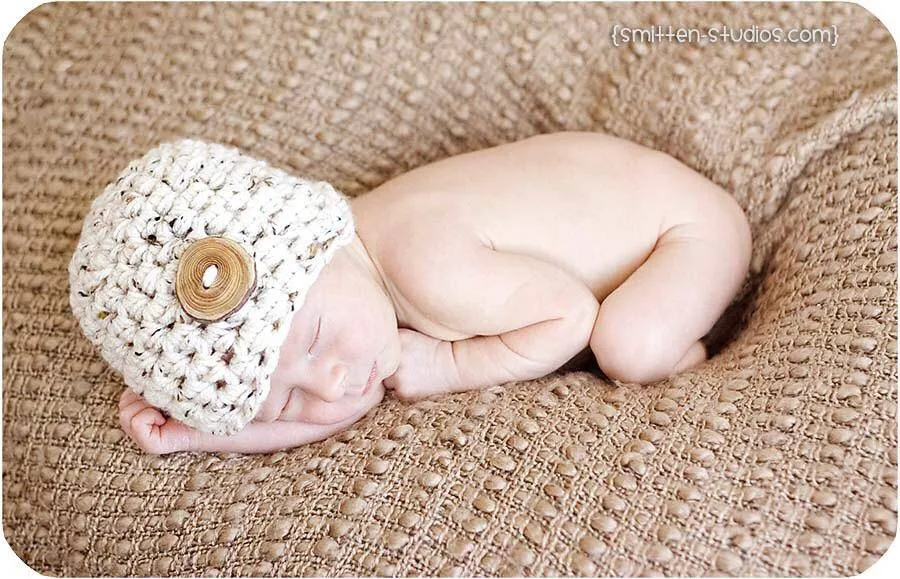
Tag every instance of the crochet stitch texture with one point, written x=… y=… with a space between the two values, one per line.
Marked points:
x=211 y=376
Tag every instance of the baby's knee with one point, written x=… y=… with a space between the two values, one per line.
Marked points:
x=622 y=358
x=628 y=352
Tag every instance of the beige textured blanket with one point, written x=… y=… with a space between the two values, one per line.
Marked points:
x=778 y=456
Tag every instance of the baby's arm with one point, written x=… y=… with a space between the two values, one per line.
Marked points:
x=529 y=317
x=157 y=434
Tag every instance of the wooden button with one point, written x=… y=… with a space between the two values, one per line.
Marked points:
x=215 y=277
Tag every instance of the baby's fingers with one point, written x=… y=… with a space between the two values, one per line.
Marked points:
x=157 y=434
x=144 y=429
x=149 y=428
x=127 y=412
x=138 y=413
x=128 y=396
x=148 y=418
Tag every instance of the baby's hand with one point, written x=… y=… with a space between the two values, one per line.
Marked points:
x=425 y=367
x=147 y=426
x=156 y=434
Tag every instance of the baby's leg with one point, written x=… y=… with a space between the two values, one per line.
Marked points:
x=693 y=357
x=649 y=328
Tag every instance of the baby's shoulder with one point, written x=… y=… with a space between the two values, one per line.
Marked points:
x=415 y=229
x=425 y=264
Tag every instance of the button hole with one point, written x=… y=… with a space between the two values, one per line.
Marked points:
x=209 y=276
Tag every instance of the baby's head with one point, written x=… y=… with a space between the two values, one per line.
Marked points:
x=204 y=275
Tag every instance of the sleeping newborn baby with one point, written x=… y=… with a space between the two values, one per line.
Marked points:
x=251 y=311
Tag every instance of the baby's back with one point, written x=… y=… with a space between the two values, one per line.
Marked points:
x=590 y=203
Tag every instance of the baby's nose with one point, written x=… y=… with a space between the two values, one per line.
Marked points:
x=333 y=384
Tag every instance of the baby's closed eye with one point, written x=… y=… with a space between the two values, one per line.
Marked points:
x=313 y=346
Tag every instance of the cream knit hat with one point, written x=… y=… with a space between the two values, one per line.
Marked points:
x=187 y=272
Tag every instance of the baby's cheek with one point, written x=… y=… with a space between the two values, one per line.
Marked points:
x=266 y=411
x=274 y=401
x=295 y=343
x=289 y=350
x=288 y=358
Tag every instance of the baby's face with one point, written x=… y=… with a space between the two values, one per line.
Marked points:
x=345 y=329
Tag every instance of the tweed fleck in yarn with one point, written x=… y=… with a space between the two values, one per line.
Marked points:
x=213 y=376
